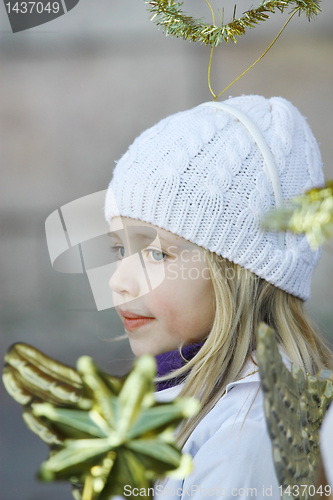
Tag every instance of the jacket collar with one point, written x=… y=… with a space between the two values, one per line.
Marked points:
x=249 y=374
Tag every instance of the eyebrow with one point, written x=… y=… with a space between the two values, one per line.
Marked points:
x=112 y=234
x=141 y=236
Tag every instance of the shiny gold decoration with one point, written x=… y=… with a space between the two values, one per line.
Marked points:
x=294 y=405
x=312 y=215
x=169 y=16
x=104 y=432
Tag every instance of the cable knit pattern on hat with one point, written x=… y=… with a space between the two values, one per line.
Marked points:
x=200 y=175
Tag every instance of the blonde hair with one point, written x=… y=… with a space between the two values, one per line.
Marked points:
x=242 y=300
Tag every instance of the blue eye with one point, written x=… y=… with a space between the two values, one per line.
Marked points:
x=119 y=250
x=157 y=255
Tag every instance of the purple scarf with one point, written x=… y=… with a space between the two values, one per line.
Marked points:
x=167 y=362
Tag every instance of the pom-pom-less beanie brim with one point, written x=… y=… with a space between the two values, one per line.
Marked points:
x=201 y=175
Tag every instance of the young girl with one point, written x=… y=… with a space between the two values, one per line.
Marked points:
x=195 y=188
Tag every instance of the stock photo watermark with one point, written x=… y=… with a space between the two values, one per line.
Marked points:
x=195 y=489
x=26 y=15
x=81 y=241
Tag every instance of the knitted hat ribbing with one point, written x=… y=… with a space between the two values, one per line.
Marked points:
x=200 y=175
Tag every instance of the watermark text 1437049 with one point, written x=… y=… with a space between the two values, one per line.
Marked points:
x=25 y=15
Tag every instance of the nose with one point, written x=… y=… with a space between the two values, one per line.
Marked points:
x=127 y=280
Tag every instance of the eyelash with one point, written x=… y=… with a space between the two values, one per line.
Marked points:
x=116 y=249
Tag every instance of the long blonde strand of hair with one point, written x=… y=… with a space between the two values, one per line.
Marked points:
x=242 y=300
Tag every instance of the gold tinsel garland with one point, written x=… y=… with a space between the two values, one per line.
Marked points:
x=169 y=15
x=311 y=214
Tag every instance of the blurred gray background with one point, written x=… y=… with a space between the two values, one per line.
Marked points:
x=75 y=92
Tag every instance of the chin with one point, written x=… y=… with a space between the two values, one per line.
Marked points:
x=140 y=350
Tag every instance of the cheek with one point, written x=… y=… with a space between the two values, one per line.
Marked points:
x=160 y=302
x=165 y=304
x=183 y=301
x=177 y=304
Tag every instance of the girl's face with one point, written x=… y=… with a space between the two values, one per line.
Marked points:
x=167 y=283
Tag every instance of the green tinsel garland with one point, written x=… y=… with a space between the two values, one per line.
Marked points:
x=169 y=15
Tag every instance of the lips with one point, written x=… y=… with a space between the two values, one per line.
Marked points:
x=130 y=315
x=134 y=321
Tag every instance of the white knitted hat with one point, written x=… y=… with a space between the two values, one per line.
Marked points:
x=201 y=175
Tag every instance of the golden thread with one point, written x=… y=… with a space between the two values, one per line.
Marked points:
x=209 y=68
x=244 y=72
x=211 y=53
x=211 y=11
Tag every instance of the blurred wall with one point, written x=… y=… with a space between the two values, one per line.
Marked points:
x=74 y=94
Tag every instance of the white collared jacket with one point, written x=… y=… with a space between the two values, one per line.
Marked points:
x=231 y=448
